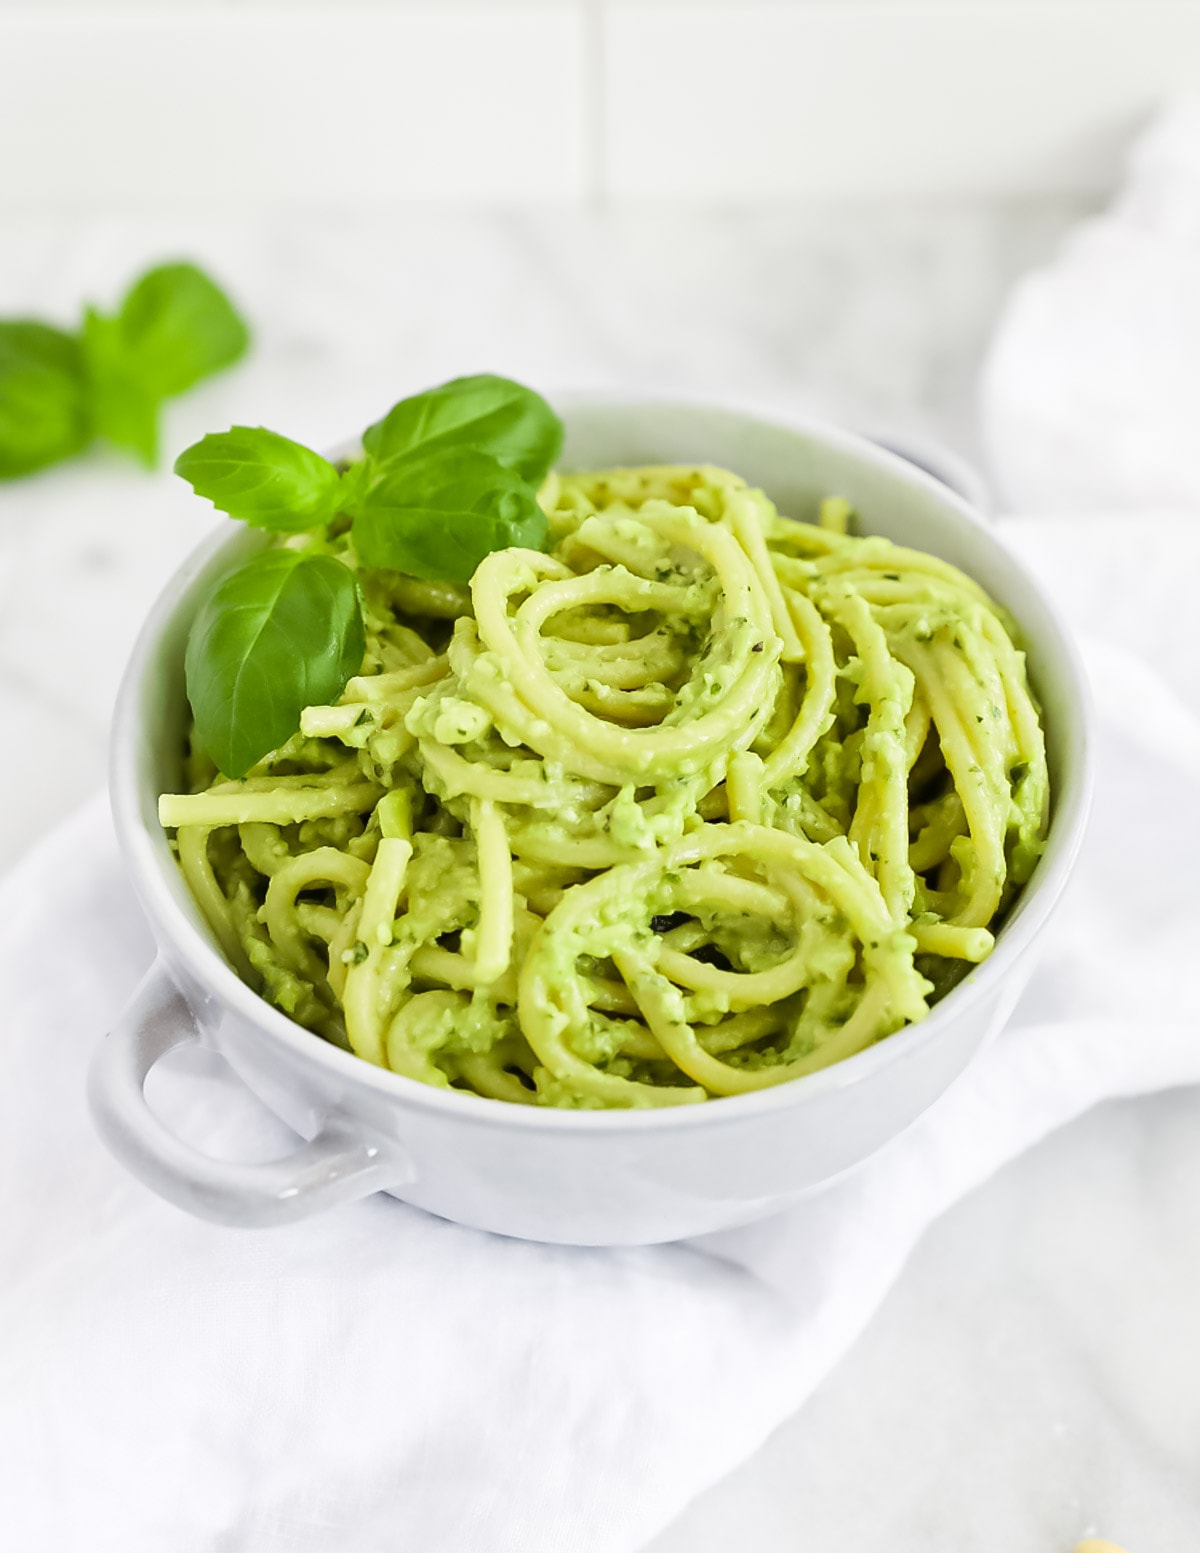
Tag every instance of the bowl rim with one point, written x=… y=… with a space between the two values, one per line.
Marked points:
x=148 y=857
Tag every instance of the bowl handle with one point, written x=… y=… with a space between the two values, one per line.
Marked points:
x=341 y=1163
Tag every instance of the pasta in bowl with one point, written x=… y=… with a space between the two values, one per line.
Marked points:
x=700 y=800
x=696 y=803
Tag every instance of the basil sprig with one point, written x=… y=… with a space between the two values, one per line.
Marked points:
x=447 y=477
x=58 y=391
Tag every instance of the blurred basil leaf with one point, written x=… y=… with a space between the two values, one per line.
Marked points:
x=57 y=390
x=124 y=410
x=491 y=414
x=281 y=633
x=264 y=479
x=177 y=326
x=436 y=517
x=174 y=327
x=43 y=399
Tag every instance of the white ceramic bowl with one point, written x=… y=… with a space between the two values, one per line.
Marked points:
x=590 y=1178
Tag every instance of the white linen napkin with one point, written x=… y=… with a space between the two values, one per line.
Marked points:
x=377 y=1379
x=1091 y=392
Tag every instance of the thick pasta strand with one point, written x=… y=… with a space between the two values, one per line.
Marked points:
x=493 y=936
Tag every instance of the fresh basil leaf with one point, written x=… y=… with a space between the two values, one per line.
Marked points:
x=493 y=414
x=281 y=633
x=264 y=479
x=124 y=410
x=177 y=326
x=43 y=402
x=437 y=517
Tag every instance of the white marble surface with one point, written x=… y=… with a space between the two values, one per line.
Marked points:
x=1034 y=1376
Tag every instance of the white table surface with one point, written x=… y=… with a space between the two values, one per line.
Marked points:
x=1035 y=1375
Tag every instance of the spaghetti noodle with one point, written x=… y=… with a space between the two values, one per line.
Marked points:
x=699 y=801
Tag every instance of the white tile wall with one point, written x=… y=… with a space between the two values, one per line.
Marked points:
x=236 y=102
x=829 y=99
x=253 y=106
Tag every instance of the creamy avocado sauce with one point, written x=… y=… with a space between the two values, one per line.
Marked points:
x=702 y=800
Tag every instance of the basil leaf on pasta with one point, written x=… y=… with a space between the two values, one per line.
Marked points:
x=491 y=414
x=43 y=405
x=281 y=633
x=264 y=479
x=437 y=517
